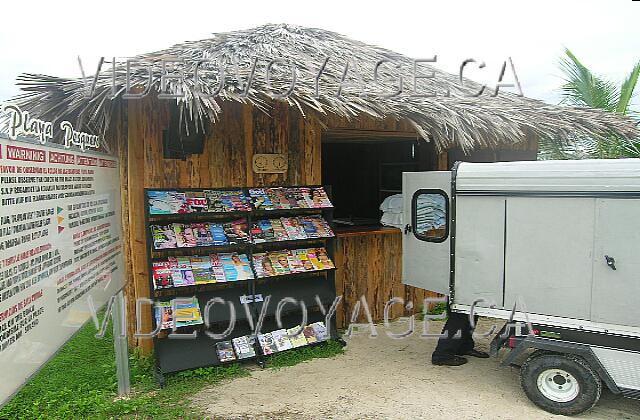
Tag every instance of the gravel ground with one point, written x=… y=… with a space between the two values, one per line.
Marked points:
x=383 y=378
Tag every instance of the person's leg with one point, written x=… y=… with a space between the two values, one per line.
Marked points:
x=466 y=347
x=466 y=340
x=449 y=347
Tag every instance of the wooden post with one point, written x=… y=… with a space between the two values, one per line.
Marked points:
x=136 y=211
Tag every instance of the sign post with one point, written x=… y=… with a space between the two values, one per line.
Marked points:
x=120 y=342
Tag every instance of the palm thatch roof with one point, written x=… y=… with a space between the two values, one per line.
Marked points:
x=453 y=118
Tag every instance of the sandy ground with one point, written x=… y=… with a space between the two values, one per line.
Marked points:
x=383 y=378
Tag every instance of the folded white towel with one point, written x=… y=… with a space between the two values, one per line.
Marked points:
x=393 y=203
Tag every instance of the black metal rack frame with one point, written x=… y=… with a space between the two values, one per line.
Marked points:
x=174 y=355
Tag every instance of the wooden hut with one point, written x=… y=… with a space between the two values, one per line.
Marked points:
x=344 y=129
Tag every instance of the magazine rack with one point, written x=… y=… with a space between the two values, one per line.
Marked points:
x=314 y=289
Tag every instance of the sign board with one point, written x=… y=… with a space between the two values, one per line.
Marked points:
x=272 y=163
x=60 y=249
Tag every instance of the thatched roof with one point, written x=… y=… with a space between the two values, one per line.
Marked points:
x=458 y=119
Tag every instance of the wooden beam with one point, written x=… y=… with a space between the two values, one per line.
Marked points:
x=136 y=209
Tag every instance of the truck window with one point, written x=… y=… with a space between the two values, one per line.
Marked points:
x=430 y=214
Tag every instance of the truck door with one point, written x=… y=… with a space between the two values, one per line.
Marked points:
x=616 y=262
x=425 y=243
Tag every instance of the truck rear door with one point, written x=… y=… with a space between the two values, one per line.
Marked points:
x=616 y=262
x=425 y=243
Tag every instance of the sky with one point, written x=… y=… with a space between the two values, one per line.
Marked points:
x=47 y=37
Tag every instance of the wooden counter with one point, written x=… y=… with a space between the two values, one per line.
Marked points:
x=369 y=264
x=359 y=231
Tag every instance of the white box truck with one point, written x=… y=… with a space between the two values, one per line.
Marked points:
x=551 y=245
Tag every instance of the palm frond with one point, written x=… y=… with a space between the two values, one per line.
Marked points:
x=627 y=90
x=583 y=88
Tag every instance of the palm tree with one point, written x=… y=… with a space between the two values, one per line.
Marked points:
x=583 y=88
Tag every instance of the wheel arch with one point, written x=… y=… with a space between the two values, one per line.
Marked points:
x=562 y=347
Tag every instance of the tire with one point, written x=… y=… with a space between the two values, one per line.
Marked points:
x=560 y=383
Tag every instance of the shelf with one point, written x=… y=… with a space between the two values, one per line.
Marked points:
x=306 y=289
x=290 y=243
x=173 y=355
x=313 y=273
x=195 y=250
x=168 y=252
x=159 y=218
x=202 y=216
x=198 y=288
x=290 y=320
x=161 y=254
x=297 y=210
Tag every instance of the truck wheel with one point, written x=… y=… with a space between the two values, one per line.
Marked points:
x=559 y=383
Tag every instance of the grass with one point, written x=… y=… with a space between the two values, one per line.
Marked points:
x=439 y=308
x=80 y=382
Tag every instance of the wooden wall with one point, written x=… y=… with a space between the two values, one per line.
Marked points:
x=226 y=161
x=370 y=266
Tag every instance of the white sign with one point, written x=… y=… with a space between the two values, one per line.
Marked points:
x=60 y=249
x=21 y=122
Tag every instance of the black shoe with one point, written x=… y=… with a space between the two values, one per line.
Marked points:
x=477 y=353
x=452 y=361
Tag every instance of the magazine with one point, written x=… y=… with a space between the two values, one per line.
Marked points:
x=278 y=198
x=182 y=277
x=323 y=259
x=310 y=334
x=236 y=232
x=162 y=275
x=184 y=235
x=214 y=202
x=202 y=233
x=217 y=269
x=322 y=226
x=262 y=264
x=181 y=271
x=295 y=265
x=243 y=347
x=196 y=202
x=320 y=330
x=319 y=198
x=279 y=232
x=305 y=192
x=179 y=202
x=163 y=312
x=294 y=229
x=297 y=340
x=281 y=340
x=167 y=202
x=256 y=233
x=163 y=237
x=187 y=312
x=224 y=349
x=267 y=343
x=182 y=262
x=310 y=229
x=234 y=200
x=291 y=196
x=314 y=259
x=302 y=256
x=260 y=199
x=236 y=266
x=201 y=268
x=159 y=202
x=217 y=233
x=280 y=262
x=267 y=230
